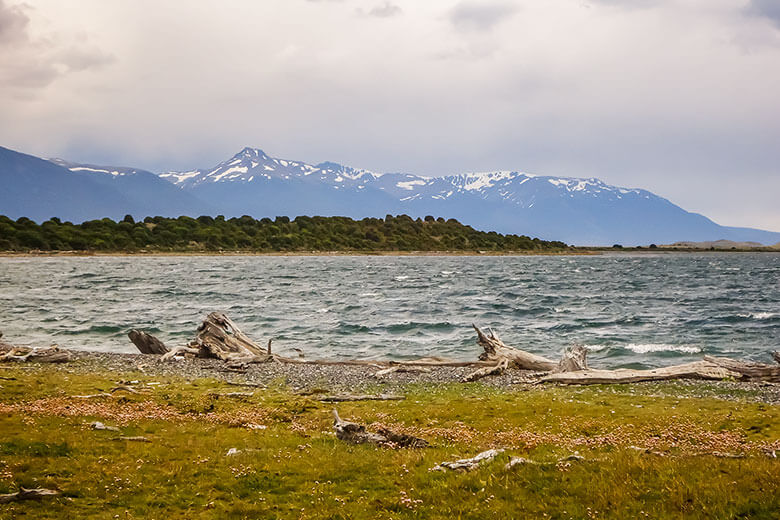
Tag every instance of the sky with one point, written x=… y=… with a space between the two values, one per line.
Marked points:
x=680 y=97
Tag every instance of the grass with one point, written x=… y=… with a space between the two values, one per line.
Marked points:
x=290 y=465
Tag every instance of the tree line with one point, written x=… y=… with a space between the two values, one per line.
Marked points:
x=184 y=234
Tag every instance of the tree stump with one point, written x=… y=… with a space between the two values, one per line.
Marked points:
x=495 y=350
x=147 y=343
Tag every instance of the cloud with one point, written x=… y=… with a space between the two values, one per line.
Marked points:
x=659 y=97
x=28 y=62
x=13 y=24
x=480 y=16
x=386 y=10
x=769 y=9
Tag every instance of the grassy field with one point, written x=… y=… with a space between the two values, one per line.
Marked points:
x=645 y=456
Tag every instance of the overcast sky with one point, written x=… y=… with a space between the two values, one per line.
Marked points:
x=681 y=97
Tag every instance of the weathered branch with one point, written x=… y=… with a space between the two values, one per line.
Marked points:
x=180 y=352
x=469 y=464
x=500 y=368
x=28 y=494
x=346 y=398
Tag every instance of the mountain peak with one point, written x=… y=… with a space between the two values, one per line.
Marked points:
x=250 y=152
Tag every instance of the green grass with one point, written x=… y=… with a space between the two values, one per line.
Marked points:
x=296 y=468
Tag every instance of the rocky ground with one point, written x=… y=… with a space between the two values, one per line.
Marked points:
x=362 y=378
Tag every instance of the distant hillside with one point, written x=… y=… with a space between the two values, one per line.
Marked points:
x=720 y=244
x=400 y=233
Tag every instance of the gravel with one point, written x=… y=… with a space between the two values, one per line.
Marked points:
x=361 y=378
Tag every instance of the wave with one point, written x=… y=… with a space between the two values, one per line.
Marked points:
x=758 y=315
x=646 y=348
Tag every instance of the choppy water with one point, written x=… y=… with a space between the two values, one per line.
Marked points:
x=639 y=310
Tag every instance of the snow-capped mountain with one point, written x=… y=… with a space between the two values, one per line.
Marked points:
x=251 y=164
x=579 y=211
x=576 y=211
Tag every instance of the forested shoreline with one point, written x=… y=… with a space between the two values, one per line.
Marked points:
x=205 y=233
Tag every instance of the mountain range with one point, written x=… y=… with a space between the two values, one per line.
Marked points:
x=573 y=210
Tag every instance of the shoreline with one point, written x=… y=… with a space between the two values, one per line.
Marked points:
x=348 y=378
x=583 y=252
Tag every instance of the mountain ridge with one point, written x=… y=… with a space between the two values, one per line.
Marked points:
x=581 y=211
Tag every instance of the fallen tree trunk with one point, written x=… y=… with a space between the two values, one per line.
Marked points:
x=694 y=370
x=28 y=494
x=749 y=370
x=51 y=354
x=357 y=434
x=495 y=350
x=147 y=343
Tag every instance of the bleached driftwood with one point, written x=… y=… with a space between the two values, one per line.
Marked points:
x=573 y=359
x=402 y=369
x=357 y=434
x=146 y=343
x=749 y=370
x=346 y=398
x=51 y=354
x=180 y=353
x=517 y=461
x=97 y=425
x=694 y=370
x=469 y=464
x=495 y=350
x=28 y=494
x=498 y=369
x=219 y=337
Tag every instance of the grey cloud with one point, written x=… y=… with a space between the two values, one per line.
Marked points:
x=480 y=16
x=769 y=9
x=29 y=63
x=13 y=24
x=386 y=10
x=77 y=59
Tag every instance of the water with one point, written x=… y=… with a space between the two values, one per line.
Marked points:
x=629 y=310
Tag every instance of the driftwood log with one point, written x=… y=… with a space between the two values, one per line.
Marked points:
x=51 y=354
x=695 y=370
x=28 y=494
x=147 y=343
x=357 y=434
x=496 y=351
x=219 y=337
x=469 y=464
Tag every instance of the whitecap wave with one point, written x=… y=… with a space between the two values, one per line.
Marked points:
x=645 y=348
x=758 y=315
